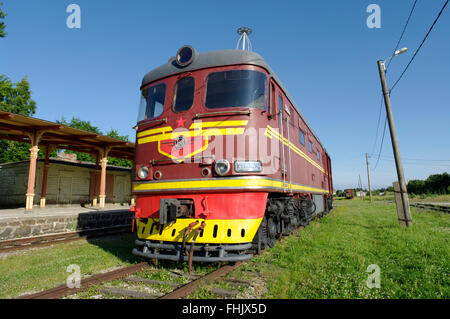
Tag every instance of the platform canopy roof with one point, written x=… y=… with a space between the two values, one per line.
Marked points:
x=24 y=129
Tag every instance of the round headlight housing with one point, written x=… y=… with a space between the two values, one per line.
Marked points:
x=143 y=172
x=222 y=167
x=185 y=55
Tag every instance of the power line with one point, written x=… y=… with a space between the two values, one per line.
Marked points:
x=418 y=159
x=407 y=66
x=414 y=159
x=403 y=31
x=420 y=46
x=381 y=102
x=378 y=125
x=381 y=145
x=419 y=164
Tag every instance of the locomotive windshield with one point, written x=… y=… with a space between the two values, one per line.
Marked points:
x=152 y=102
x=236 y=88
x=184 y=94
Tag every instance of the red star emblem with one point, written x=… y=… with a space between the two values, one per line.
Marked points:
x=180 y=121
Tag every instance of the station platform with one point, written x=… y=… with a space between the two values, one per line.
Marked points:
x=18 y=223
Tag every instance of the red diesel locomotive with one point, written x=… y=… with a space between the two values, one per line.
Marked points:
x=225 y=161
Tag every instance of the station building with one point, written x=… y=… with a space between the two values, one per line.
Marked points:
x=62 y=180
x=69 y=181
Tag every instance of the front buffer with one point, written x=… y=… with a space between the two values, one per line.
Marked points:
x=198 y=227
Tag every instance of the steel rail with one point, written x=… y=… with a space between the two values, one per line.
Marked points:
x=63 y=290
x=181 y=291
x=190 y=287
x=436 y=207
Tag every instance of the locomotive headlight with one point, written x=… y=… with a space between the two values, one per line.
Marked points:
x=247 y=166
x=143 y=172
x=185 y=55
x=222 y=167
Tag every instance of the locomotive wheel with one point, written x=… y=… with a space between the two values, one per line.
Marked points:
x=271 y=232
x=311 y=215
x=264 y=237
x=303 y=222
x=257 y=243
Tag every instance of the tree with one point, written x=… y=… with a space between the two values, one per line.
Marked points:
x=340 y=193
x=87 y=126
x=416 y=186
x=81 y=125
x=118 y=161
x=438 y=183
x=2 y=24
x=11 y=151
x=15 y=98
x=434 y=184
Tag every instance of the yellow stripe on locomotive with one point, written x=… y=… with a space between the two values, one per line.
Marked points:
x=232 y=231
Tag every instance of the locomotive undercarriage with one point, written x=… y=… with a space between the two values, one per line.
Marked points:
x=192 y=252
x=282 y=216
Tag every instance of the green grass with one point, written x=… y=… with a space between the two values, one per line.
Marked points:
x=412 y=198
x=36 y=270
x=429 y=198
x=329 y=258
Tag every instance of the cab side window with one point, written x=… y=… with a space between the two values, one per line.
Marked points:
x=302 y=137
x=272 y=100
x=183 y=94
x=153 y=100
x=280 y=105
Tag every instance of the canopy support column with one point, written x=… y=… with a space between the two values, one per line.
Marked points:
x=48 y=150
x=102 y=197
x=96 y=173
x=34 y=139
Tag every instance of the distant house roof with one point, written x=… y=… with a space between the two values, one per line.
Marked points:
x=19 y=128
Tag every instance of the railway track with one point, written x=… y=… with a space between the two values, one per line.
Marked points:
x=47 y=240
x=183 y=285
x=435 y=207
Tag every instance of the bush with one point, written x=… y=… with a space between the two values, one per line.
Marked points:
x=434 y=184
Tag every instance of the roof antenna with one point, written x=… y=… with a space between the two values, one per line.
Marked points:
x=244 y=32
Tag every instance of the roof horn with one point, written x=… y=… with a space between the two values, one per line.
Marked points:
x=244 y=32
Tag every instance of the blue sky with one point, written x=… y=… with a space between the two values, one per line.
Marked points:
x=322 y=51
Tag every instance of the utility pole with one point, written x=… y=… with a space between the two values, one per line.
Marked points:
x=361 y=191
x=368 y=177
x=404 y=214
